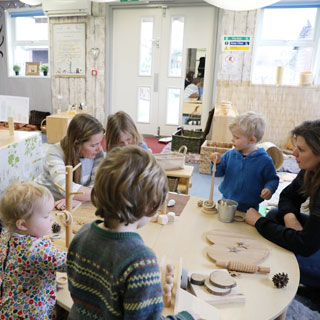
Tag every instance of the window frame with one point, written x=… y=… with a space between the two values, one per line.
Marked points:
x=313 y=43
x=12 y=43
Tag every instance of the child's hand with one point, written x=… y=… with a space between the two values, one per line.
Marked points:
x=252 y=216
x=266 y=194
x=215 y=155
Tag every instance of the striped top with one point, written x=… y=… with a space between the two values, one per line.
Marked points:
x=54 y=166
x=113 y=275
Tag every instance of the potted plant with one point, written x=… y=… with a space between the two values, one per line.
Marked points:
x=16 y=69
x=44 y=68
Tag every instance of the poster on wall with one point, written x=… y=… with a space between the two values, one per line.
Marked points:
x=69 y=49
x=16 y=107
x=239 y=43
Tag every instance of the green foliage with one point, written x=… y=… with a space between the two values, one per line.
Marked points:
x=16 y=68
x=44 y=67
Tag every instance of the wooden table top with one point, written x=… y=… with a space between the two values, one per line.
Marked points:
x=186 y=238
x=186 y=172
x=7 y=139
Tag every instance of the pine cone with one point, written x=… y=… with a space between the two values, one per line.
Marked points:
x=280 y=280
x=55 y=227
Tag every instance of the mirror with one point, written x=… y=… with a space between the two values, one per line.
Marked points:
x=193 y=86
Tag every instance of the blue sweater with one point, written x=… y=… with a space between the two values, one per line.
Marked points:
x=113 y=275
x=245 y=177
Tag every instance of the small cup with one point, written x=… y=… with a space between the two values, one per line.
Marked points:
x=227 y=210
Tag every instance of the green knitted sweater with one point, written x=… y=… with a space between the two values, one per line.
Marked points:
x=113 y=275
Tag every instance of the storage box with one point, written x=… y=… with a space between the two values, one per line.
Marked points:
x=207 y=148
x=191 y=139
x=170 y=161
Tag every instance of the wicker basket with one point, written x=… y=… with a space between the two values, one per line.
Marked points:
x=172 y=160
x=191 y=139
x=207 y=148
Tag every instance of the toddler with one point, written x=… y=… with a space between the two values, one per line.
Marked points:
x=111 y=272
x=249 y=173
x=28 y=262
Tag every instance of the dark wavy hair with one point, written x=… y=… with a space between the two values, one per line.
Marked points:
x=310 y=131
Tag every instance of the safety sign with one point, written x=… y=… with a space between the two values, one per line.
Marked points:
x=240 y=43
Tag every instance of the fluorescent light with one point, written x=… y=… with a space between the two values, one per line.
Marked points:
x=241 y=5
x=31 y=2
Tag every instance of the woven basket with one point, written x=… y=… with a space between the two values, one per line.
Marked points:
x=207 y=148
x=172 y=160
x=191 y=139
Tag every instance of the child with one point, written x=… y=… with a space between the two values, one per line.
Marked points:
x=249 y=173
x=28 y=262
x=112 y=274
x=121 y=131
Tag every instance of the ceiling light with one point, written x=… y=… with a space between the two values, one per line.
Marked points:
x=241 y=5
x=31 y=2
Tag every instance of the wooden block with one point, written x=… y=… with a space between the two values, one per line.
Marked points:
x=222 y=280
x=171 y=217
x=215 y=290
x=163 y=219
x=167 y=295
x=197 y=279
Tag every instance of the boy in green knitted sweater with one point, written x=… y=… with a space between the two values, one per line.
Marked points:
x=112 y=274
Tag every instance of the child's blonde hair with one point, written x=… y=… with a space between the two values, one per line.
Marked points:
x=118 y=123
x=251 y=123
x=18 y=202
x=129 y=185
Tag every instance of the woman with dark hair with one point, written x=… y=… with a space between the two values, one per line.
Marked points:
x=81 y=144
x=286 y=225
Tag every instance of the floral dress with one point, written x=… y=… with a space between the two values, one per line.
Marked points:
x=27 y=277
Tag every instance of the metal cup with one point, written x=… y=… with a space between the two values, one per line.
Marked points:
x=227 y=210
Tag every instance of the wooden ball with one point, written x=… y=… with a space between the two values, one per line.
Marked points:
x=170 y=268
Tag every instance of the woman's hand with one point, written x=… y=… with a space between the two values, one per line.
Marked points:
x=252 y=216
x=266 y=194
x=61 y=204
x=291 y=221
x=215 y=155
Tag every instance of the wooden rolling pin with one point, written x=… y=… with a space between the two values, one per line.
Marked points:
x=242 y=266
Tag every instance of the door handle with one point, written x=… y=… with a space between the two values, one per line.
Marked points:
x=156 y=82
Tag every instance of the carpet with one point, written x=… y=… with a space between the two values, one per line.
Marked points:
x=297 y=311
x=154 y=144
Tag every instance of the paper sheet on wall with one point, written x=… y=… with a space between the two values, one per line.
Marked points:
x=16 y=107
x=231 y=63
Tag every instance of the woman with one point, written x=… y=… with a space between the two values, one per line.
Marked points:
x=81 y=144
x=121 y=131
x=286 y=226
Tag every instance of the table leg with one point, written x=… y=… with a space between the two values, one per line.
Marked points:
x=282 y=316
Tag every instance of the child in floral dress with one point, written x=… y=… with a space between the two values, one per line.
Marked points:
x=28 y=262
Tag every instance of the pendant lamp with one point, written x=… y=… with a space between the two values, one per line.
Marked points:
x=31 y=2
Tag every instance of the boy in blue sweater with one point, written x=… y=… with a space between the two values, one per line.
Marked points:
x=111 y=272
x=249 y=173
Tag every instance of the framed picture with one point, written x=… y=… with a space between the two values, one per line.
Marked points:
x=69 y=49
x=32 y=68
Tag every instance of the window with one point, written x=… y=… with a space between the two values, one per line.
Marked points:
x=27 y=34
x=287 y=36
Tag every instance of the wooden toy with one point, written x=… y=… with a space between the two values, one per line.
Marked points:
x=197 y=278
x=163 y=219
x=226 y=247
x=66 y=215
x=169 y=280
x=163 y=208
x=11 y=126
x=170 y=269
x=216 y=290
x=215 y=295
x=243 y=267
x=154 y=218
x=200 y=203
x=222 y=279
x=171 y=217
x=209 y=205
x=167 y=295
